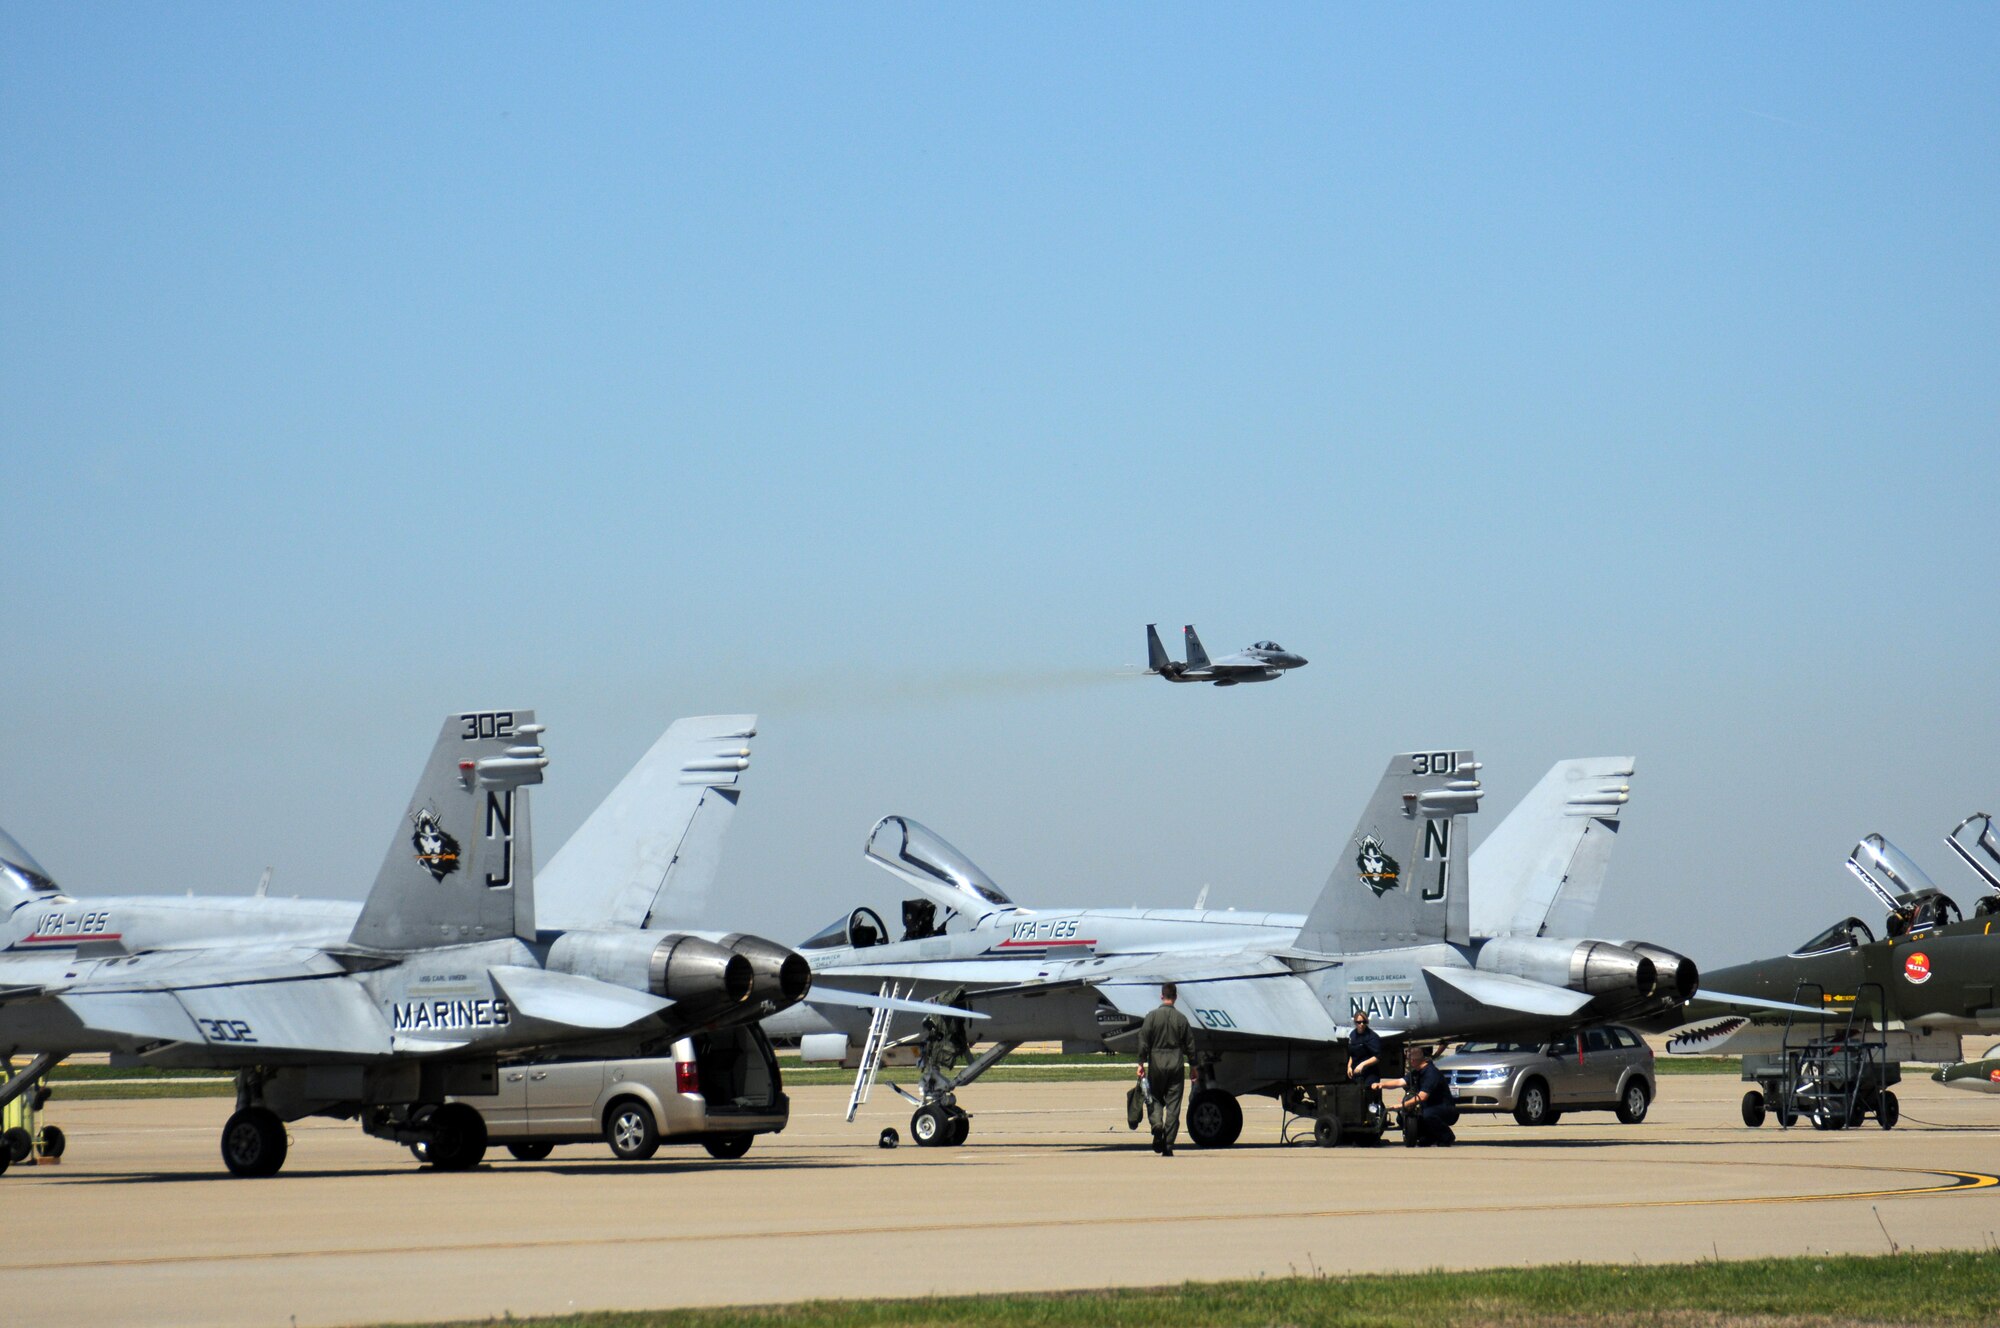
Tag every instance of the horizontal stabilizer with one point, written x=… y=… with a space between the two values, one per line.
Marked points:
x=144 y=1016
x=835 y=996
x=573 y=1001
x=1511 y=993
x=1275 y=1005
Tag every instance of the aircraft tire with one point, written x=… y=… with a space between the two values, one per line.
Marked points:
x=728 y=1147
x=1787 y=1116
x=254 y=1143
x=458 y=1137
x=531 y=1152
x=1532 y=1106
x=930 y=1127
x=53 y=1141
x=1887 y=1110
x=20 y=1145
x=1214 y=1118
x=960 y=1128
x=631 y=1131
x=1633 y=1103
x=1753 y=1108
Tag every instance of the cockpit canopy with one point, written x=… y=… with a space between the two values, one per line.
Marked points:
x=20 y=874
x=859 y=929
x=1888 y=872
x=922 y=858
x=1272 y=646
x=1846 y=934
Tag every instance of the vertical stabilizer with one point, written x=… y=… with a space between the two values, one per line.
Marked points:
x=1197 y=658
x=649 y=852
x=460 y=866
x=1157 y=658
x=1542 y=869
x=1401 y=879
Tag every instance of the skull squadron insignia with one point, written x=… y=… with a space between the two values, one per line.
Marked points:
x=1379 y=871
x=436 y=849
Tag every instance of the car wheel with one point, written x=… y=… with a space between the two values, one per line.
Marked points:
x=930 y=1127
x=254 y=1143
x=727 y=1146
x=1214 y=1118
x=1632 y=1106
x=1753 y=1108
x=1532 y=1107
x=53 y=1141
x=533 y=1152
x=458 y=1137
x=630 y=1130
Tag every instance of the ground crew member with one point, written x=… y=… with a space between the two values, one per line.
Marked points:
x=1166 y=1048
x=1364 y=1052
x=1429 y=1109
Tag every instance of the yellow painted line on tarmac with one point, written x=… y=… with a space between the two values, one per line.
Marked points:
x=1956 y=1182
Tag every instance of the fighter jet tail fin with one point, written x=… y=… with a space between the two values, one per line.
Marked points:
x=1542 y=869
x=649 y=853
x=460 y=865
x=1157 y=659
x=1197 y=658
x=1401 y=878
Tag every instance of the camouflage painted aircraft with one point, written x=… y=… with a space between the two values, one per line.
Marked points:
x=380 y=1011
x=1271 y=994
x=1261 y=662
x=1929 y=980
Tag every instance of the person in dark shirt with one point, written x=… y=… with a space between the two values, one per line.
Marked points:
x=1166 y=1046
x=1364 y=1052
x=1429 y=1109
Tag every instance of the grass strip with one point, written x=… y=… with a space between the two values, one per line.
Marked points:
x=89 y=1092
x=1885 y=1289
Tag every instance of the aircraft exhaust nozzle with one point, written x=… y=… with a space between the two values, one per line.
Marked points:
x=1598 y=968
x=1603 y=969
x=782 y=975
x=675 y=965
x=687 y=968
x=1678 y=976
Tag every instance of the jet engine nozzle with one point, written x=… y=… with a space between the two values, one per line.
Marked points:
x=675 y=965
x=782 y=975
x=1679 y=978
x=1599 y=968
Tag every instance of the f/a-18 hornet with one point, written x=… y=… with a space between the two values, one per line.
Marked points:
x=380 y=1011
x=1271 y=995
x=1261 y=662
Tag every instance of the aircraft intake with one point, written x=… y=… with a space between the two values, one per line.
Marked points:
x=671 y=964
x=1596 y=967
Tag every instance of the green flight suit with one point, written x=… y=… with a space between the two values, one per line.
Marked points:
x=1166 y=1043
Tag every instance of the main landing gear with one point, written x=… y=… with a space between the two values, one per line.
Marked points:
x=1214 y=1118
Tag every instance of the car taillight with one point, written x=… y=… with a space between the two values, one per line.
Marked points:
x=687 y=1077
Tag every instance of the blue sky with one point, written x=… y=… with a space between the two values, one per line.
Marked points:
x=1561 y=380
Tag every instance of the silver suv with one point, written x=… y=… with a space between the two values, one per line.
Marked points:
x=1539 y=1081
x=719 y=1089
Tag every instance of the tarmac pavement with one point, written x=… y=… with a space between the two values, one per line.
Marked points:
x=140 y=1224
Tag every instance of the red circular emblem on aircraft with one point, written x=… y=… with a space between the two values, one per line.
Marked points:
x=1994 y=1076
x=1917 y=968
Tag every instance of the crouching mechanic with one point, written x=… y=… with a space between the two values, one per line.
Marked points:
x=1166 y=1052
x=1429 y=1109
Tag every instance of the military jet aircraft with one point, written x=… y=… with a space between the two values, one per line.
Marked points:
x=1271 y=994
x=1909 y=996
x=1261 y=662
x=380 y=1011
